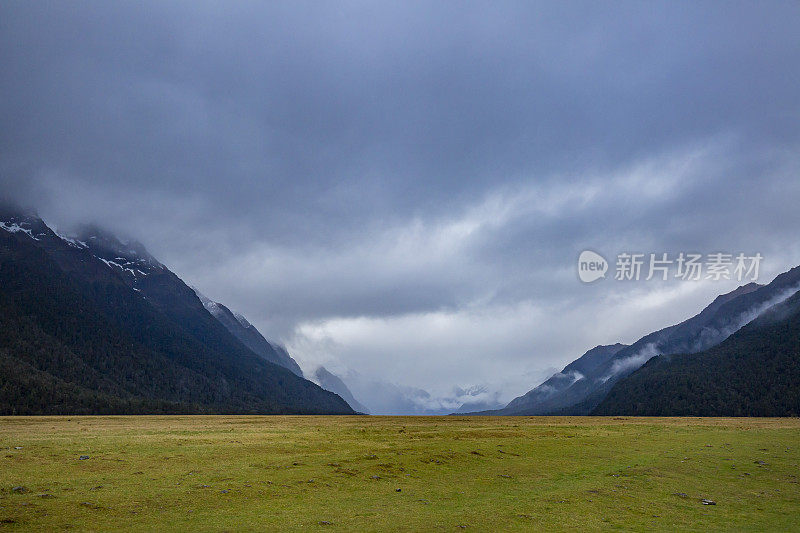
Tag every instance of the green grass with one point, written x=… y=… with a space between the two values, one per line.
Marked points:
x=342 y=473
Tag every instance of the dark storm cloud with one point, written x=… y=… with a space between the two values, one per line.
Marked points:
x=409 y=164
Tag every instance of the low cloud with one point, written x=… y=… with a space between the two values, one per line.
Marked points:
x=710 y=336
x=632 y=362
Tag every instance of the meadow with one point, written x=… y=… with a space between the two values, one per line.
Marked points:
x=262 y=473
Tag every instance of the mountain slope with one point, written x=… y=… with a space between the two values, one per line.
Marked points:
x=726 y=314
x=250 y=336
x=329 y=381
x=93 y=337
x=555 y=387
x=755 y=372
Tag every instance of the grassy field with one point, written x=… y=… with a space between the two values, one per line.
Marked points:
x=398 y=473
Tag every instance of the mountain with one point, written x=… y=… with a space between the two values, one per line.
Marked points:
x=754 y=372
x=250 y=336
x=725 y=315
x=96 y=325
x=333 y=383
x=558 y=386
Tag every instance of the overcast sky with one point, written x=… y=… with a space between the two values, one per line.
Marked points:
x=402 y=189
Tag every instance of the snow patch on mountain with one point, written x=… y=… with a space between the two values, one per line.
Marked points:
x=14 y=227
x=72 y=241
x=210 y=305
x=242 y=320
x=125 y=266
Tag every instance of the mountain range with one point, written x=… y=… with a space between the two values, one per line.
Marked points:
x=93 y=324
x=754 y=372
x=583 y=385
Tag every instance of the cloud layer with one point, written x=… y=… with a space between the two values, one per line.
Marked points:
x=403 y=190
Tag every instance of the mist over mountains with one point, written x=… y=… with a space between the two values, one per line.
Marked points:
x=582 y=386
x=95 y=324
x=94 y=254
x=92 y=324
x=754 y=372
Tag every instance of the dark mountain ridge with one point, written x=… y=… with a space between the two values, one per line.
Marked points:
x=88 y=327
x=722 y=317
x=250 y=336
x=754 y=372
x=555 y=387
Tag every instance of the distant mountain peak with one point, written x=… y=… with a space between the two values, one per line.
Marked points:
x=333 y=383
